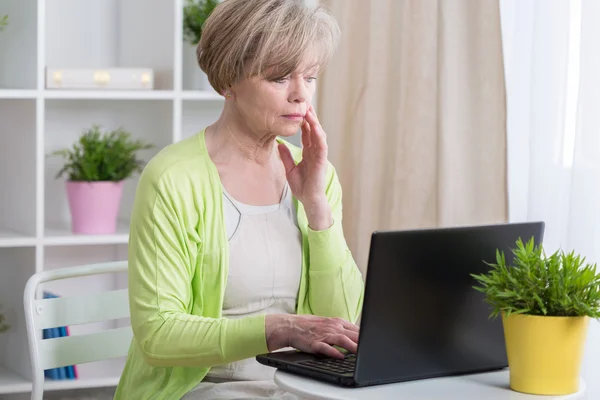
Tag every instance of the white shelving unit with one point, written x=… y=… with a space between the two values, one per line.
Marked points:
x=34 y=216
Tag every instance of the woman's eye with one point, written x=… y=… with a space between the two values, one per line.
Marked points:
x=280 y=80
x=311 y=79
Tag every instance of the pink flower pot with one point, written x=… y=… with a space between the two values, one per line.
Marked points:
x=94 y=206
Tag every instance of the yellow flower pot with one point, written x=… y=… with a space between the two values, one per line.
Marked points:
x=545 y=353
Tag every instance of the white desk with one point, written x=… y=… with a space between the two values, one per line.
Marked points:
x=488 y=386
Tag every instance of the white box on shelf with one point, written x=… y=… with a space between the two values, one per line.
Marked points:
x=100 y=78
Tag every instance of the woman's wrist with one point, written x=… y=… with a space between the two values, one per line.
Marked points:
x=319 y=214
x=277 y=331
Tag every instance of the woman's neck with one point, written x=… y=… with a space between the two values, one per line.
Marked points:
x=246 y=161
x=232 y=141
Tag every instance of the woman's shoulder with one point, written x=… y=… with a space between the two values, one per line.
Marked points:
x=181 y=158
x=178 y=166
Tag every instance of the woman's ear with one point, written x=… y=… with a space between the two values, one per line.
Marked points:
x=228 y=94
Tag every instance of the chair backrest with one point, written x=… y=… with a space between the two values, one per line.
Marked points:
x=64 y=311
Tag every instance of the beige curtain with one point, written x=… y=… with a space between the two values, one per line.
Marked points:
x=414 y=107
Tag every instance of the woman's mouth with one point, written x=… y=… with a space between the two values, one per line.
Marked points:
x=294 y=117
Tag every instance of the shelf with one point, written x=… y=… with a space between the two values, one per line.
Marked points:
x=109 y=94
x=82 y=383
x=114 y=94
x=35 y=219
x=107 y=376
x=18 y=94
x=11 y=238
x=57 y=236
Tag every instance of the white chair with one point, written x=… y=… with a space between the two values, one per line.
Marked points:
x=64 y=311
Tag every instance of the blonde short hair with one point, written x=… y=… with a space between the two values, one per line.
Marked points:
x=268 y=38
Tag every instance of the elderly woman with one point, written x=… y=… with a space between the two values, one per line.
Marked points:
x=236 y=244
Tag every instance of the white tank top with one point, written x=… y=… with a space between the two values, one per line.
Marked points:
x=265 y=264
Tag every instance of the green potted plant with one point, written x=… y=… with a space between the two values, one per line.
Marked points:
x=545 y=303
x=195 y=14
x=97 y=166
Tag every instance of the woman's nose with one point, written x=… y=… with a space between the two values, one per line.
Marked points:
x=298 y=91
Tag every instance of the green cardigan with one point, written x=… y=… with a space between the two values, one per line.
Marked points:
x=178 y=266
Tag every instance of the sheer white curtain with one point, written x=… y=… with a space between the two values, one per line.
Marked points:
x=552 y=64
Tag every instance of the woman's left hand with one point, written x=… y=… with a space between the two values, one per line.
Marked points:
x=307 y=178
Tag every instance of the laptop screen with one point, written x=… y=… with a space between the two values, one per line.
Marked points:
x=421 y=316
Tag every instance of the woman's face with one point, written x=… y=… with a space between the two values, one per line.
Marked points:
x=275 y=107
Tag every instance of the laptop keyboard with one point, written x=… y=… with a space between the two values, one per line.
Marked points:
x=333 y=364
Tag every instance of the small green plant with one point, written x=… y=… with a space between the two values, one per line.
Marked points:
x=195 y=14
x=97 y=156
x=561 y=284
x=3 y=22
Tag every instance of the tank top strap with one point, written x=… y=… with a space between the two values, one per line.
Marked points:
x=233 y=202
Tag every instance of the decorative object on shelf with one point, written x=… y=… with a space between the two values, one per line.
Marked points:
x=3 y=22
x=195 y=13
x=97 y=166
x=109 y=78
x=546 y=303
x=3 y=326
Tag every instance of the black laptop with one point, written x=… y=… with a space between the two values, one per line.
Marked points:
x=421 y=317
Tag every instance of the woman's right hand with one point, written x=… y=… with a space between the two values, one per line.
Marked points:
x=311 y=334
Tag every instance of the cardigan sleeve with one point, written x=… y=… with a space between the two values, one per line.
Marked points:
x=161 y=267
x=336 y=286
